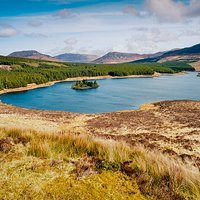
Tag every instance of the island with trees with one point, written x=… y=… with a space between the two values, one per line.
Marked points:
x=19 y=72
x=84 y=85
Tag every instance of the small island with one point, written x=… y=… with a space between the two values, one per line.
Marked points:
x=84 y=85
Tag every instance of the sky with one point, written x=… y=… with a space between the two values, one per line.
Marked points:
x=98 y=26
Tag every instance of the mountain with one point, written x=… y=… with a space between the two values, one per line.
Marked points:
x=72 y=57
x=33 y=55
x=191 y=54
x=119 y=57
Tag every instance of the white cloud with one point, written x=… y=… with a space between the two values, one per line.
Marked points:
x=173 y=11
x=139 y=29
x=193 y=9
x=92 y=31
x=64 y=13
x=71 y=41
x=35 y=35
x=130 y=10
x=149 y=40
x=7 y=30
x=191 y=33
x=35 y=23
x=57 y=51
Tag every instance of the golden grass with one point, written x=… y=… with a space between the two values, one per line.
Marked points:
x=107 y=185
x=158 y=177
x=48 y=144
x=158 y=169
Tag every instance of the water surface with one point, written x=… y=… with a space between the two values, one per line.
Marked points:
x=112 y=95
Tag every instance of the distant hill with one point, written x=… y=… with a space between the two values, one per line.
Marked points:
x=119 y=57
x=80 y=58
x=33 y=55
x=189 y=54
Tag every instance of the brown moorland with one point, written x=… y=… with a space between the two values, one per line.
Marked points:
x=171 y=127
x=154 y=151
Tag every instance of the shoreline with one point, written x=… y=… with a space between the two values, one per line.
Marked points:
x=33 y=86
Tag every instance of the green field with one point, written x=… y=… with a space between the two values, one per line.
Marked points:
x=25 y=71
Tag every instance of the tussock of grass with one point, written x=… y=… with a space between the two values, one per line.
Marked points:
x=159 y=174
x=39 y=148
x=30 y=165
x=46 y=145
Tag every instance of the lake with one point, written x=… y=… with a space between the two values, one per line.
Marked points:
x=112 y=95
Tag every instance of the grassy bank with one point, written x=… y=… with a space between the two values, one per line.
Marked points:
x=64 y=166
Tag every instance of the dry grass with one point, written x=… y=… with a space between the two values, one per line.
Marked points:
x=196 y=65
x=48 y=145
x=157 y=174
x=158 y=177
x=173 y=128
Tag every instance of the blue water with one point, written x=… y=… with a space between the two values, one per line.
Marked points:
x=112 y=95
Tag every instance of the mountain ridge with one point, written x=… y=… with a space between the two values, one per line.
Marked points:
x=33 y=54
x=121 y=57
x=189 y=54
x=76 y=57
x=184 y=54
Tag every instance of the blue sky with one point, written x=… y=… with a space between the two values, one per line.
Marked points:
x=21 y=7
x=98 y=26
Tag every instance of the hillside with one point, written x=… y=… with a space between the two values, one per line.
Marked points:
x=118 y=57
x=33 y=55
x=189 y=54
x=20 y=72
x=153 y=155
x=59 y=155
x=79 y=58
